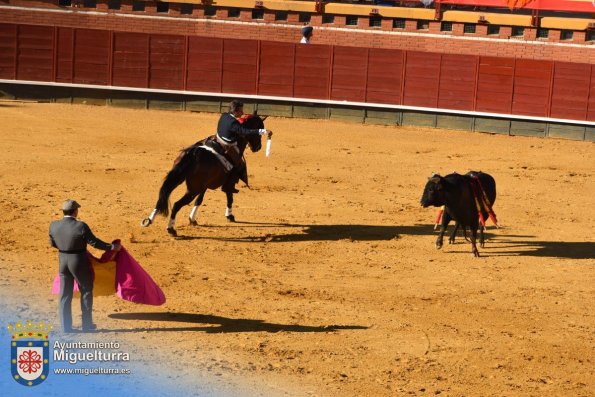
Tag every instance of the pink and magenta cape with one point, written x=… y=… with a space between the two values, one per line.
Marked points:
x=119 y=272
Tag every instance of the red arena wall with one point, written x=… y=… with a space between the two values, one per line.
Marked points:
x=403 y=67
x=529 y=87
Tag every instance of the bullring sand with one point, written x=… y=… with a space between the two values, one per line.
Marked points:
x=330 y=283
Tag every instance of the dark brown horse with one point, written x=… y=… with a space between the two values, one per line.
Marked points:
x=201 y=170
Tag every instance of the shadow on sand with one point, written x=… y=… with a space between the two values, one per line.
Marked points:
x=552 y=249
x=297 y=233
x=222 y=324
x=514 y=245
x=523 y=245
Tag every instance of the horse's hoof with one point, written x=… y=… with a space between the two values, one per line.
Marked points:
x=231 y=218
x=476 y=253
x=146 y=222
x=172 y=232
x=438 y=246
x=193 y=222
x=482 y=245
x=451 y=241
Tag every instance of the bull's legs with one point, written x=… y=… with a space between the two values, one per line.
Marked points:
x=445 y=220
x=228 y=213
x=453 y=234
x=473 y=241
x=185 y=200
x=481 y=230
x=481 y=236
x=197 y=204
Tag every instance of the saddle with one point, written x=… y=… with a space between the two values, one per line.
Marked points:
x=237 y=169
x=213 y=144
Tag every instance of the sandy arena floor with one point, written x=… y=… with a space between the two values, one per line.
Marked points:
x=329 y=284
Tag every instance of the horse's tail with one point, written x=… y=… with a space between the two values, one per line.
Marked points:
x=175 y=177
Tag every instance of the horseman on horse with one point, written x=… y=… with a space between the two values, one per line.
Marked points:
x=206 y=164
x=229 y=129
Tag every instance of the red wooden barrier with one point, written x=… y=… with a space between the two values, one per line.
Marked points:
x=65 y=55
x=130 y=59
x=91 y=55
x=591 y=103
x=35 y=53
x=8 y=51
x=457 y=81
x=276 y=74
x=312 y=71
x=250 y=67
x=240 y=60
x=166 y=62
x=422 y=79
x=349 y=71
x=385 y=76
x=494 y=85
x=570 y=94
x=205 y=64
x=532 y=81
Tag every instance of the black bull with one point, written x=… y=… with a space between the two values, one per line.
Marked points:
x=455 y=192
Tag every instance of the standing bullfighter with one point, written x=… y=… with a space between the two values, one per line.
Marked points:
x=71 y=236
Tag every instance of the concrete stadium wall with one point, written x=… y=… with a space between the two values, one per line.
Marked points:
x=141 y=100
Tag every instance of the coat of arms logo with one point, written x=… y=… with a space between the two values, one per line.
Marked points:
x=30 y=352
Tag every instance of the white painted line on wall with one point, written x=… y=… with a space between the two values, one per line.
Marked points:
x=307 y=100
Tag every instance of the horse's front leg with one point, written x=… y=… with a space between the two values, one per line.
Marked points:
x=185 y=200
x=197 y=204
x=445 y=220
x=228 y=213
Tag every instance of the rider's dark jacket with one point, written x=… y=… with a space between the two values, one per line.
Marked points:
x=229 y=128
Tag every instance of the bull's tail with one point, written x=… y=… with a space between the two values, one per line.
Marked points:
x=173 y=179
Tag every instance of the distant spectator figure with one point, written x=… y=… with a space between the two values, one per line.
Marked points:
x=307 y=34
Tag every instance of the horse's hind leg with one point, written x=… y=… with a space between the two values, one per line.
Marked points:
x=197 y=204
x=185 y=200
x=148 y=221
x=228 y=213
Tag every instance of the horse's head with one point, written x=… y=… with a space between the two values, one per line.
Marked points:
x=254 y=122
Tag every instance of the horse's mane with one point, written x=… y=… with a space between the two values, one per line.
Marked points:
x=252 y=121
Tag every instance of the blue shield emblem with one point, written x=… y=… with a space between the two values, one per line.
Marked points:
x=29 y=361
